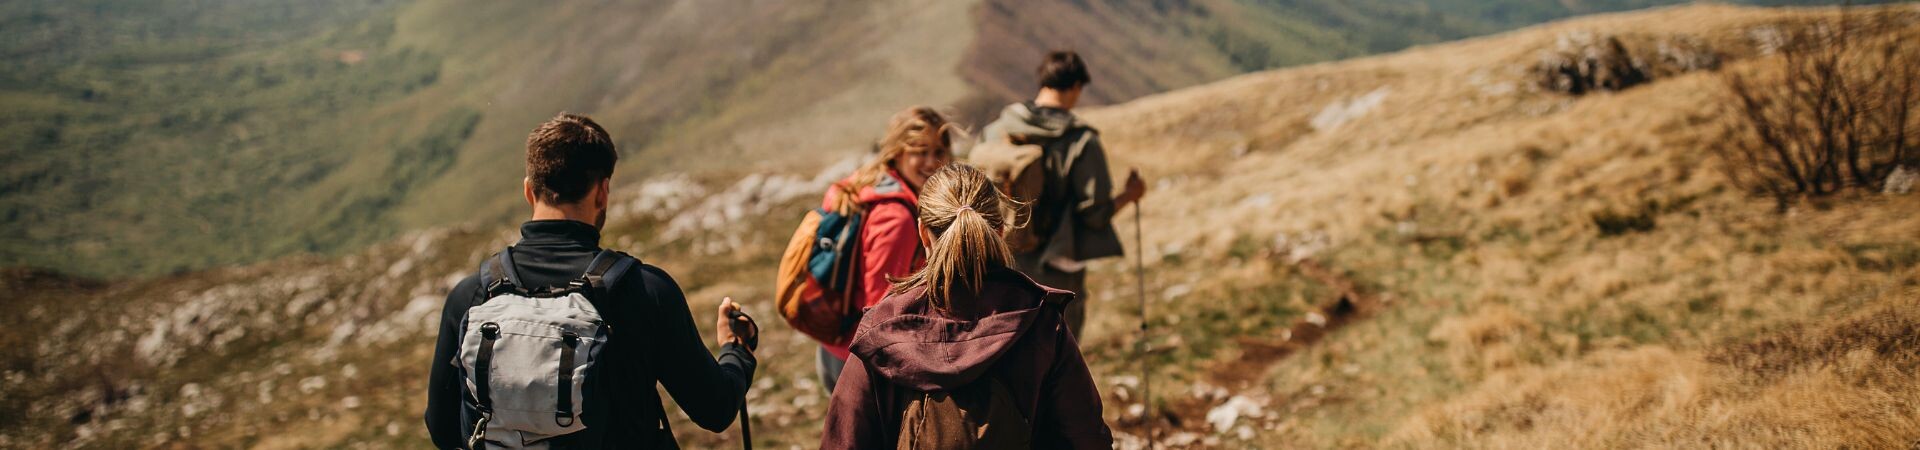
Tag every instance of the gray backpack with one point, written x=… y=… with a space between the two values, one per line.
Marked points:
x=525 y=355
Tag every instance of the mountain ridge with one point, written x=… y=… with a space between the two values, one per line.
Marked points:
x=168 y=139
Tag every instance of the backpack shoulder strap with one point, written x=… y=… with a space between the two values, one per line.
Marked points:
x=606 y=268
x=497 y=275
x=1080 y=138
x=602 y=274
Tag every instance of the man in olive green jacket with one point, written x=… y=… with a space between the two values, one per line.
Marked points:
x=1073 y=152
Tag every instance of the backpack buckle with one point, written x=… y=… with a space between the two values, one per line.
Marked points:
x=479 y=431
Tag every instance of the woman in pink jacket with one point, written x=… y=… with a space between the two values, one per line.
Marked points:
x=919 y=141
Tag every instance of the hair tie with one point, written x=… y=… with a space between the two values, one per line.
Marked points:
x=963 y=208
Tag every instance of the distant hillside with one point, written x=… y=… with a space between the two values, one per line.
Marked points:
x=1461 y=210
x=143 y=138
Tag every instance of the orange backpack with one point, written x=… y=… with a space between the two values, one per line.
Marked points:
x=814 y=288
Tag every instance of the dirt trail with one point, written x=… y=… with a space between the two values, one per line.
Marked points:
x=1259 y=352
x=1188 y=413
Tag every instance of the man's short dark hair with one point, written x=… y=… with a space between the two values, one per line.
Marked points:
x=567 y=156
x=1063 y=70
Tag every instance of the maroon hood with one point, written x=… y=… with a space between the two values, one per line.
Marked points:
x=911 y=344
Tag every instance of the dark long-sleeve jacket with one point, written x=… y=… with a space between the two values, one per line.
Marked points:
x=653 y=340
x=1012 y=330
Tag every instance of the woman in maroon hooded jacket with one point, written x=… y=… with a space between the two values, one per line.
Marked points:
x=964 y=317
x=918 y=142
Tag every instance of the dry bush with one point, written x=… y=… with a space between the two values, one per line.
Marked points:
x=1834 y=110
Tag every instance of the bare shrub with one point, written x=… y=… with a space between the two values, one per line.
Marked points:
x=1832 y=110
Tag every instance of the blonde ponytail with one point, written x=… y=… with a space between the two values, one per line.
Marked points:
x=966 y=215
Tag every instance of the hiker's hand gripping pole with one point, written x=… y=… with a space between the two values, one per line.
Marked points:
x=747 y=333
x=736 y=326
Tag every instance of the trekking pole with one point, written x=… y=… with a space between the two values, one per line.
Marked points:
x=746 y=427
x=1140 y=276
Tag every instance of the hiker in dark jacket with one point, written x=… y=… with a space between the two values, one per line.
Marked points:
x=570 y=162
x=919 y=141
x=965 y=321
x=1087 y=232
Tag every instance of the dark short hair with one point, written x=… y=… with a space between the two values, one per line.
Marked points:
x=1063 y=69
x=567 y=156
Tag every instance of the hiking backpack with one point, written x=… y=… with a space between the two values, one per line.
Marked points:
x=814 y=288
x=526 y=355
x=980 y=414
x=1033 y=174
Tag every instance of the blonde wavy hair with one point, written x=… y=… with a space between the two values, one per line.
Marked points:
x=919 y=129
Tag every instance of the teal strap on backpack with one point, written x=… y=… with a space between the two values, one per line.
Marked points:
x=836 y=247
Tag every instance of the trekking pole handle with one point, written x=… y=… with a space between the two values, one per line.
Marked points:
x=748 y=332
x=750 y=335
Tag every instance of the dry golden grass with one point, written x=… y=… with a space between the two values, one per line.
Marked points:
x=1848 y=383
x=1529 y=318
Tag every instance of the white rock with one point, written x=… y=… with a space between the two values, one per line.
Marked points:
x=1224 y=416
x=1207 y=392
x=1340 y=112
x=266 y=392
x=400 y=267
x=1181 y=439
x=1900 y=182
x=1262 y=201
x=314 y=383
